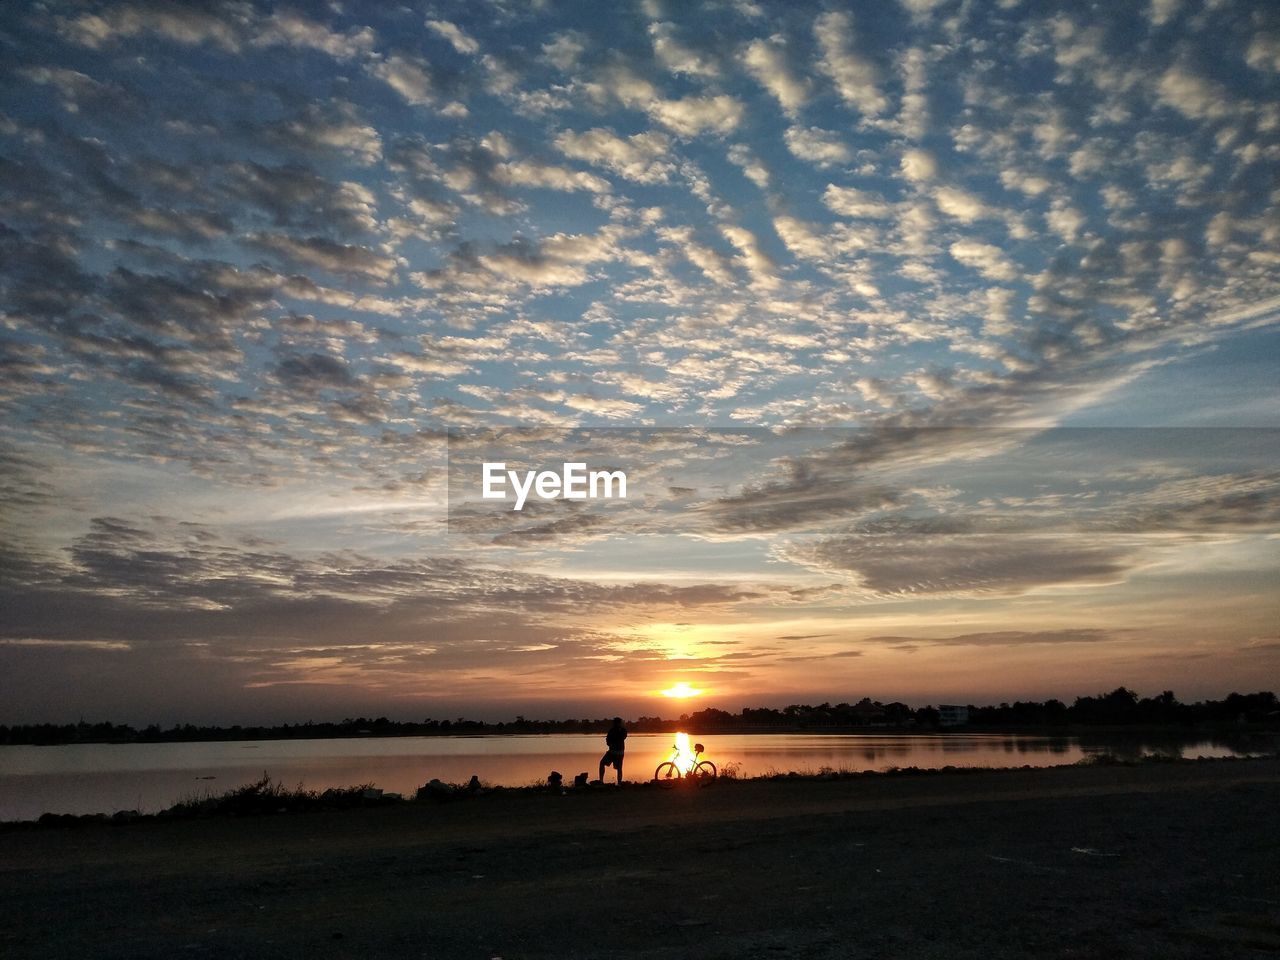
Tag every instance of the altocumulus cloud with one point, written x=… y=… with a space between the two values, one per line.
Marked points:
x=249 y=247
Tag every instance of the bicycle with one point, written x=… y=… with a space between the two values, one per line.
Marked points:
x=669 y=773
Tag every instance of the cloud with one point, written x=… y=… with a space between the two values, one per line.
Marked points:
x=501 y=80
x=642 y=158
x=1160 y=12
x=406 y=77
x=309 y=374
x=325 y=128
x=1032 y=184
x=809 y=491
x=960 y=204
x=1065 y=220
x=752 y=168
x=1192 y=95
x=1263 y=52
x=228 y=25
x=525 y=264
x=821 y=657
x=817 y=146
x=448 y=357
x=986 y=258
x=920 y=9
x=187 y=24
x=288 y=28
x=913 y=117
x=766 y=61
x=296 y=196
x=120 y=574
x=535 y=173
x=967 y=565
x=919 y=165
x=852 y=202
x=804 y=240
x=564 y=50
x=340 y=258
x=691 y=116
x=182 y=308
x=636 y=385
x=609 y=407
x=457 y=37
x=21 y=482
x=189 y=226
x=484 y=172
x=1004 y=638
x=687 y=116
x=217 y=292
x=676 y=56
x=572 y=529
x=558 y=260
x=856 y=79
x=1206 y=504
x=78 y=90
x=711 y=262
x=759 y=264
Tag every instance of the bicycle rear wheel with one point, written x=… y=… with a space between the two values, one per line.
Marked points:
x=703 y=770
x=667 y=774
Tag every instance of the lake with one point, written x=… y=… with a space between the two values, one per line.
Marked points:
x=148 y=777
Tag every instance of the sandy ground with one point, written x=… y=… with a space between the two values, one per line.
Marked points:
x=1170 y=860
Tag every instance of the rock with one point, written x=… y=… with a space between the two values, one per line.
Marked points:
x=437 y=790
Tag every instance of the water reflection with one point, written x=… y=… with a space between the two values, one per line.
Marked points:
x=92 y=778
x=1132 y=746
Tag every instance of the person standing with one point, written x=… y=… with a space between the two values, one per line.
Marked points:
x=615 y=740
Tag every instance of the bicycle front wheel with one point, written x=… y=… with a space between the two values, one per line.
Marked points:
x=703 y=770
x=667 y=774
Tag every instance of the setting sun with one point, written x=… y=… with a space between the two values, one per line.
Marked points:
x=681 y=691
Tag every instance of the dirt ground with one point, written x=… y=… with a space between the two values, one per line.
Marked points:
x=1164 y=860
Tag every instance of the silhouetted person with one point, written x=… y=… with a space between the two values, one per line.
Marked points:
x=615 y=740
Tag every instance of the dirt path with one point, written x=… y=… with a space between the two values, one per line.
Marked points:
x=1176 y=860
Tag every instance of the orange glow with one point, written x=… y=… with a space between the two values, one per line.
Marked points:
x=684 y=757
x=681 y=691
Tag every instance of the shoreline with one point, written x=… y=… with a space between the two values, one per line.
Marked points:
x=369 y=796
x=1179 y=731
x=1161 y=859
x=95 y=781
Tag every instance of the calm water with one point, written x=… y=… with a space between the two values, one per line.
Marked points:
x=102 y=778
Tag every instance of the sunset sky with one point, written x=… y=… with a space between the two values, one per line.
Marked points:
x=939 y=340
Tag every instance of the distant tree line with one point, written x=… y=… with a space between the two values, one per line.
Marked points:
x=1120 y=707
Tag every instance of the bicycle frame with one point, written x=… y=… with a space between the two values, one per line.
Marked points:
x=699 y=769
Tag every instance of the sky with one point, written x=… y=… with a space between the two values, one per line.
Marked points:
x=938 y=340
